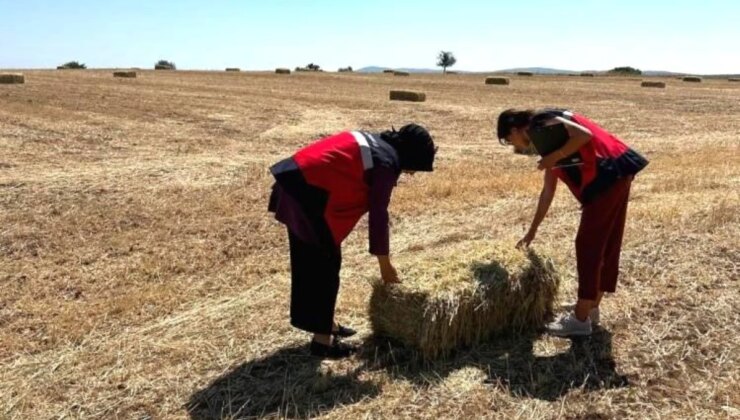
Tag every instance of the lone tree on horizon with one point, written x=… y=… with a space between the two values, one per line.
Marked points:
x=446 y=59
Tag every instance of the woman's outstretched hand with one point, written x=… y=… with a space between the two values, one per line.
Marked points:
x=526 y=240
x=387 y=272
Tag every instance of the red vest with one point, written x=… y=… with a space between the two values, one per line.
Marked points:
x=605 y=159
x=337 y=164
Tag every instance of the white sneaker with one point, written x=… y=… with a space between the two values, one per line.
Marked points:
x=569 y=325
x=594 y=315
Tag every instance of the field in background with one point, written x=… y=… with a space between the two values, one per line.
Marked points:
x=141 y=275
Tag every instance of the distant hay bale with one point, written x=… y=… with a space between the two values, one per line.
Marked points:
x=126 y=74
x=525 y=73
x=62 y=67
x=650 y=84
x=387 y=71
x=497 y=81
x=588 y=75
x=163 y=67
x=733 y=79
x=463 y=296
x=692 y=79
x=405 y=95
x=400 y=73
x=451 y=72
x=233 y=69
x=282 y=71
x=11 y=78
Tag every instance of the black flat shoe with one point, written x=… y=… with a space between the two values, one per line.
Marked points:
x=335 y=351
x=343 y=331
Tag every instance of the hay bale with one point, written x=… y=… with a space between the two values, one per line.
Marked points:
x=497 y=81
x=406 y=95
x=451 y=72
x=464 y=295
x=233 y=69
x=525 y=73
x=11 y=78
x=163 y=67
x=588 y=75
x=388 y=71
x=400 y=73
x=651 y=84
x=692 y=79
x=282 y=71
x=62 y=67
x=126 y=74
x=733 y=80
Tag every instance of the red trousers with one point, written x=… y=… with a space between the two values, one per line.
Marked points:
x=599 y=240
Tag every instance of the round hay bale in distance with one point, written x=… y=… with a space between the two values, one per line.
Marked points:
x=282 y=71
x=588 y=75
x=525 y=73
x=497 y=81
x=12 y=79
x=692 y=79
x=125 y=74
x=732 y=79
x=409 y=96
x=388 y=71
x=163 y=67
x=463 y=295
x=400 y=73
x=653 y=84
x=233 y=69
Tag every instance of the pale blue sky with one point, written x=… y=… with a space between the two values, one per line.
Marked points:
x=684 y=36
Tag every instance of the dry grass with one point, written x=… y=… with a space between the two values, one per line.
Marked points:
x=405 y=95
x=470 y=291
x=11 y=78
x=141 y=276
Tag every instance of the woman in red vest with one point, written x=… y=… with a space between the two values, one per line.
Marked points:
x=600 y=181
x=320 y=194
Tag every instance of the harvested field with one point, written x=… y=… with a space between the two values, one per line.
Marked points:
x=141 y=276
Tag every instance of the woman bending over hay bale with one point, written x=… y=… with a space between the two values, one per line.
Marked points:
x=464 y=296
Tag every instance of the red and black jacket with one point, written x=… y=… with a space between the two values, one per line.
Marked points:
x=605 y=158
x=328 y=178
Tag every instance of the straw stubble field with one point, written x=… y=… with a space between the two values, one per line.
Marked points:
x=140 y=275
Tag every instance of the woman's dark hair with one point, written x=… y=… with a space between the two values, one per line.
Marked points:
x=511 y=118
x=414 y=145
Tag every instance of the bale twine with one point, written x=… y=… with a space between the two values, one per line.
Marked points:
x=497 y=81
x=406 y=95
x=692 y=79
x=282 y=71
x=525 y=73
x=126 y=74
x=162 y=67
x=464 y=295
x=233 y=69
x=588 y=75
x=12 y=78
x=650 y=84
x=400 y=73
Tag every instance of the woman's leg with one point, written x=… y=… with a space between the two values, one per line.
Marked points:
x=598 y=221
x=610 y=268
x=314 y=287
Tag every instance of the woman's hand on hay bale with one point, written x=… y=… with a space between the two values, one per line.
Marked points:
x=526 y=240
x=387 y=272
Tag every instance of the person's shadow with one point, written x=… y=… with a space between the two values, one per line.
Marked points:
x=287 y=384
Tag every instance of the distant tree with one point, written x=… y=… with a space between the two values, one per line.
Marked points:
x=313 y=67
x=347 y=69
x=625 y=71
x=164 y=64
x=73 y=65
x=446 y=59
